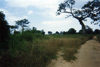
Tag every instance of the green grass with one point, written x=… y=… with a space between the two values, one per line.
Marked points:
x=36 y=50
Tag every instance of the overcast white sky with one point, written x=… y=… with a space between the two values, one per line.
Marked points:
x=41 y=14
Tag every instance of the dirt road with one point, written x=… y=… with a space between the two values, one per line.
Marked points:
x=88 y=56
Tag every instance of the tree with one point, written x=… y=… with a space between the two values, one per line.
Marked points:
x=16 y=32
x=57 y=32
x=94 y=13
x=4 y=28
x=42 y=32
x=34 y=29
x=80 y=32
x=89 y=30
x=4 y=31
x=97 y=31
x=23 y=23
x=13 y=27
x=71 y=31
x=79 y=14
x=49 y=32
x=63 y=32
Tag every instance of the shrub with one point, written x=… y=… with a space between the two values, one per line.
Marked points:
x=97 y=31
x=28 y=36
x=71 y=31
x=41 y=51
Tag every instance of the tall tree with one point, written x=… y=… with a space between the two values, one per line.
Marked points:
x=79 y=14
x=4 y=28
x=94 y=13
x=89 y=30
x=23 y=23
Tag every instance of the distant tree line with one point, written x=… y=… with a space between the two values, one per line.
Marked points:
x=6 y=30
x=73 y=31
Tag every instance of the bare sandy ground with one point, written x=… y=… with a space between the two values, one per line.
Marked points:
x=88 y=56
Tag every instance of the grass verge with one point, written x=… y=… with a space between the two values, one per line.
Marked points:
x=29 y=51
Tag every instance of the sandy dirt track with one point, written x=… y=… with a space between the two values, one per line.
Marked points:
x=88 y=56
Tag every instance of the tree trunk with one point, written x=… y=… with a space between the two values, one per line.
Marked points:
x=22 y=28
x=83 y=26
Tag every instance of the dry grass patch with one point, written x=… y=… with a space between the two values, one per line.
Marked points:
x=70 y=47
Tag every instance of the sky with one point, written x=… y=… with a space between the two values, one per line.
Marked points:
x=41 y=14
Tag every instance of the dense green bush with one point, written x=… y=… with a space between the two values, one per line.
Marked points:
x=71 y=31
x=28 y=36
x=28 y=53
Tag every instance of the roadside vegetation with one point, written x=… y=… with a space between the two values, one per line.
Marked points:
x=41 y=51
x=98 y=38
x=71 y=46
x=30 y=49
x=33 y=48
